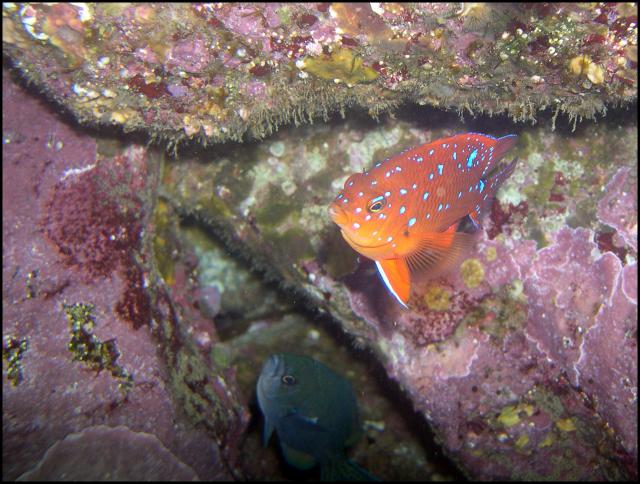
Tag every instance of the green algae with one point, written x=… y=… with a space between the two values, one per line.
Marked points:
x=277 y=207
x=540 y=192
x=13 y=350
x=336 y=256
x=87 y=348
x=162 y=245
x=502 y=313
x=295 y=241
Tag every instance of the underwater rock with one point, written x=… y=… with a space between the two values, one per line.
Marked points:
x=110 y=453
x=618 y=208
x=490 y=354
x=91 y=335
x=217 y=72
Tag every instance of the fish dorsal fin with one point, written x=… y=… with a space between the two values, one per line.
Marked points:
x=395 y=274
x=436 y=252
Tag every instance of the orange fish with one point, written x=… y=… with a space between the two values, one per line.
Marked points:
x=407 y=212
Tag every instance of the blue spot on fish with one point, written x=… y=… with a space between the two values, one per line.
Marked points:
x=481 y=185
x=440 y=167
x=430 y=152
x=425 y=196
x=402 y=210
x=412 y=221
x=472 y=157
x=439 y=207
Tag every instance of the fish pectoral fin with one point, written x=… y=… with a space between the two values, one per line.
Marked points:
x=436 y=252
x=297 y=458
x=267 y=431
x=339 y=468
x=395 y=274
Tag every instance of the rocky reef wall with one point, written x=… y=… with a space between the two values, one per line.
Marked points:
x=218 y=72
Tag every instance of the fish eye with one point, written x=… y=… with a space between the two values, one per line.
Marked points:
x=288 y=379
x=376 y=204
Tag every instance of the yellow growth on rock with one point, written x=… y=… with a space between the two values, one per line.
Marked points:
x=566 y=425
x=437 y=298
x=341 y=66
x=522 y=441
x=583 y=65
x=472 y=272
x=510 y=415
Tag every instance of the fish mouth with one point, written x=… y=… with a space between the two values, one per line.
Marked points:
x=341 y=218
x=357 y=245
x=338 y=215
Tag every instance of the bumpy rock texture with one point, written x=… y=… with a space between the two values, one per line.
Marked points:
x=91 y=335
x=524 y=353
x=523 y=360
x=218 y=71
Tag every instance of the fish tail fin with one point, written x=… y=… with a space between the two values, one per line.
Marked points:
x=437 y=252
x=344 y=470
x=503 y=145
x=395 y=274
x=494 y=180
x=501 y=175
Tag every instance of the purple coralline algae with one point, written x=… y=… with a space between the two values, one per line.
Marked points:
x=90 y=336
x=510 y=357
x=618 y=207
x=113 y=452
x=522 y=359
x=112 y=63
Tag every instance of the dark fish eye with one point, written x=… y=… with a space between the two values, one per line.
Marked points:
x=376 y=204
x=288 y=379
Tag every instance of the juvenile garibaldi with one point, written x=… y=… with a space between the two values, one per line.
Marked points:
x=314 y=412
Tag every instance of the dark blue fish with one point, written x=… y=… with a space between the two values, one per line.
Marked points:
x=314 y=412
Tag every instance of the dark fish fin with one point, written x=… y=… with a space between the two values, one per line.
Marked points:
x=395 y=274
x=297 y=458
x=503 y=145
x=492 y=181
x=343 y=469
x=437 y=252
x=469 y=224
x=267 y=431
x=500 y=174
